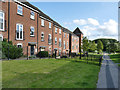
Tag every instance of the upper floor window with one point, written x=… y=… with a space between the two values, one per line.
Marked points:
x=49 y=24
x=59 y=42
x=55 y=30
x=67 y=35
x=49 y=39
x=42 y=22
x=56 y=40
x=42 y=36
x=64 y=44
x=59 y=31
x=1 y=21
x=19 y=31
x=19 y=9
x=32 y=30
x=72 y=47
x=32 y=15
x=64 y=35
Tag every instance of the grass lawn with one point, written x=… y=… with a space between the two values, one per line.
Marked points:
x=115 y=58
x=49 y=73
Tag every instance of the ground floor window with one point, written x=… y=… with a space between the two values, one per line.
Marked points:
x=59 y=52
x=42 y=48
x=1 y=37
x=19 y=45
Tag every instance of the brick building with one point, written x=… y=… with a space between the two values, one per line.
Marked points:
x=28 y=27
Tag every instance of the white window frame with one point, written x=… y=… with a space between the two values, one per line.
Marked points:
x=42 y=36
x=3 y=20
x=55 y=40
x=32 y=16
x=31 y=30
x=67 y=35
x=20 y=44
x=42 y=22
x=20 y=10
x=60 y=42
x=59 y=30
x=49 y=24
x=49 y=38
x=56 y=30
x=19 y=31
x=64 y=45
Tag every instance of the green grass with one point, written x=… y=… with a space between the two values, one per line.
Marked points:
x=49 y=73
x=115 y=58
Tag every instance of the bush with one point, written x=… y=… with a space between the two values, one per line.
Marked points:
x=64 y=57
x=14 y=52
x=73 y=54
x=42 y=54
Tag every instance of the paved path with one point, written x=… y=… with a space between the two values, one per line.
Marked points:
x=108 y=75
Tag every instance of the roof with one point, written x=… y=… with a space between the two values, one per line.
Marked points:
x=77 y=31
x=45 y=16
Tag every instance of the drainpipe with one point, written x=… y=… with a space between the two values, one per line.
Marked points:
x=52 y=38
x=8 y=25
x=37 y=33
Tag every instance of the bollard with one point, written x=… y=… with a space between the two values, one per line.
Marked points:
x=100 y=60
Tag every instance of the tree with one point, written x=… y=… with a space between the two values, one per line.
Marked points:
x=85 y=45
x=113 y=47
x=92 y=46
x=99 y=46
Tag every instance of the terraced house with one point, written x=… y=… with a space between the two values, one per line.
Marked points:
x=29 y=28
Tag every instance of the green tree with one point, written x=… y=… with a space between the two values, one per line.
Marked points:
x=113 y=47
x=92 y=46
x=99 y=46
x=85 y=45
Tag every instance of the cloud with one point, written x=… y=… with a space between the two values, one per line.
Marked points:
x=80 y=22
x=108 y=29
x=89 y=21
x=93 y=21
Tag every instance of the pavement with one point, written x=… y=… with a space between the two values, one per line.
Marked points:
x=108 y=75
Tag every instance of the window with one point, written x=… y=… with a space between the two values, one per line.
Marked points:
x=49 y=39
x=59 y=52
x=72 y=47
x=73 y=39
x=76 y=46
x=49 y=24
x=19 y=10
x=19 y=45
x=64 y=45
x=42 y=36
x=55 y=41
x=42 y=22
x=32 y=31
x=32 y=15
x=67 y=43
x=59 y=31
x=67 y=35
x=1 y=21
x=64 y=35
x=19 y=31
x=49 y=50
x=59 y=42
x=1 y=37
x=55 y=30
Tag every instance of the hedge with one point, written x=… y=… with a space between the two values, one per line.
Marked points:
x=42 y=54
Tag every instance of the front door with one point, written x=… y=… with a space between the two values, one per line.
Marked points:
x=32 y=49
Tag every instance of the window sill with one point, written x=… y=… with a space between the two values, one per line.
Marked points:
x=32 y=35
x=20 y=14
x=42 y=40
x=19 y=39
x=32 y=19
x=42 y=26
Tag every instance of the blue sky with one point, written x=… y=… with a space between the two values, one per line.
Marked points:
x=95 y=19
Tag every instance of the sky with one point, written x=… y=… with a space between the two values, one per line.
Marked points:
x=95 y=19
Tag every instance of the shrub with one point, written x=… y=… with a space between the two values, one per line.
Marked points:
x=42 y=54
x=73 y=54
x=14 y=52
x=64 y=57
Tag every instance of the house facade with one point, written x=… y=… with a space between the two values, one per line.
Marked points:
x=29 y=28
